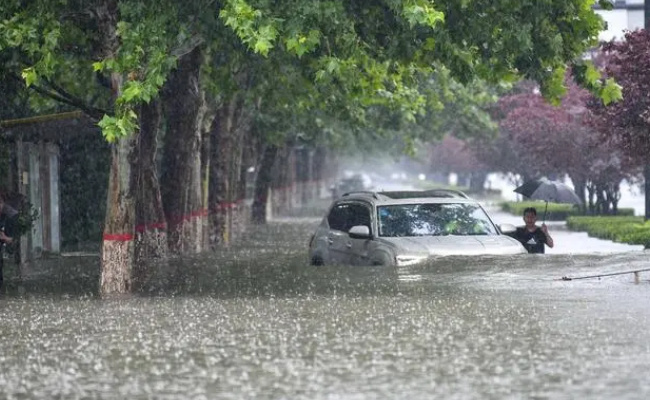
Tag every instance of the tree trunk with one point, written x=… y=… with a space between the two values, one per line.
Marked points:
x=263 y=184
x=284 y=181
x=117 y=253
x=237 y=178
x=304 y=175
x=319 y=161
x=580 y=185
x=117 y=245
x=646 y=177
x=151 y=227
x=206 y=167
x=477 y=181
x=219 y=185
x=591 y=194
x=244 y=192
x=181 y=190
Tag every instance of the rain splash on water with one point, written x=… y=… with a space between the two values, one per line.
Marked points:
x=257 y=322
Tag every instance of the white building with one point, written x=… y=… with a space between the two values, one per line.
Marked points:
x=626 y=15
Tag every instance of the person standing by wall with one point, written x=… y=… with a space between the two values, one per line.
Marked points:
x=8 y=216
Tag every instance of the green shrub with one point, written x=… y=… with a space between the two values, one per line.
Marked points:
x=623 y=229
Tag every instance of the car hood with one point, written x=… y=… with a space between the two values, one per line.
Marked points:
x=456 y=245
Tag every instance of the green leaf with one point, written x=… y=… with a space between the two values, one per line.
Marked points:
x=108 y=126
x=592 y=75
x=262 y=47
x=132 y=91
x=30 y=76
x=611 y=92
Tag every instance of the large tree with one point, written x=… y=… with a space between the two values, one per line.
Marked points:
x=372 y=53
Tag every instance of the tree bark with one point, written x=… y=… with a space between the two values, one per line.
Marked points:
x=219 y=186
x=229 y=135
x=263 y=184
x=284 y=181
x=151 y=226
x=181 y=191
x=117 y=245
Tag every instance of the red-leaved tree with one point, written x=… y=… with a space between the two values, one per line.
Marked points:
x=453 y=155
x=539 y=139
x=626 y=123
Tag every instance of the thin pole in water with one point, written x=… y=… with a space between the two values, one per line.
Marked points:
x=635 y=272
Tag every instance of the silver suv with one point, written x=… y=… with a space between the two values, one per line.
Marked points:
x=406 y=227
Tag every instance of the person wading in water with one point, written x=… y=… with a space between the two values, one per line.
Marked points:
x=531 y=236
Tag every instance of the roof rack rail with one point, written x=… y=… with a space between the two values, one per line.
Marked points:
x=408 y=194
x=443 y=192
x=373 y=194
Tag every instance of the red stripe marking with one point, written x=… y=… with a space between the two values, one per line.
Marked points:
x=145 y=227
x=188 y=217
x=124 y=237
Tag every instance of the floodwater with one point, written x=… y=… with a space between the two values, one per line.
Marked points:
x=257 y=322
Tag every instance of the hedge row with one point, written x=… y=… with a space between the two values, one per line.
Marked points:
x=623 y=229
x=555 y=212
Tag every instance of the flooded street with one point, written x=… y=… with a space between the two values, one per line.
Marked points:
x=258 y=322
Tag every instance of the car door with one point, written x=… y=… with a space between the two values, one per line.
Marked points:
x=357 y=249
x=338 y=220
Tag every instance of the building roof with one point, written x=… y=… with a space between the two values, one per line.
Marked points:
x=47 y=127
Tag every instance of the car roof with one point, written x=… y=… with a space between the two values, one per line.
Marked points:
x=409 y=196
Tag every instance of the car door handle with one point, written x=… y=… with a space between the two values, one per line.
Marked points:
x=348 y=245
x=330 y=241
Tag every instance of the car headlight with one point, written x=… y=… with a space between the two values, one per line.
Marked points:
x=403 y=261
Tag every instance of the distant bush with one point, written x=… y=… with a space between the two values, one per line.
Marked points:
x=555 y=212
x=623 y=229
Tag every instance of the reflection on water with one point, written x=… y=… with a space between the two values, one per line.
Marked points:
x=259 y=323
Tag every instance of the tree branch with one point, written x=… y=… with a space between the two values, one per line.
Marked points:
x=189 y=45
x=58 y=94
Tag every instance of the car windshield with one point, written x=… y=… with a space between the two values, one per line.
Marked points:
x=433 y=219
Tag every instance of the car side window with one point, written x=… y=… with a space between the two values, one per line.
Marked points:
x=360 y=216
x=344 y=216
x=338 y=217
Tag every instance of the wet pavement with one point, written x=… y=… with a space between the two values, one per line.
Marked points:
x=257 y=322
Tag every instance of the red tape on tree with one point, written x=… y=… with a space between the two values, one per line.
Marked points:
x=124 y=237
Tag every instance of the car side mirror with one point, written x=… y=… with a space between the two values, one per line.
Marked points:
x=507 y=228
x=359 y=232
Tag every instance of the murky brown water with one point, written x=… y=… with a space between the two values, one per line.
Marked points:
x=259 y=323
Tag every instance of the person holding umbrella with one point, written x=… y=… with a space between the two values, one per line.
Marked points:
x=531 y=236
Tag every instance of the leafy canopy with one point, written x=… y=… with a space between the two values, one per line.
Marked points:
x=372 y=53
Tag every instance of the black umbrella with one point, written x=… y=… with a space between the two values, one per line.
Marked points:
x=546 y=190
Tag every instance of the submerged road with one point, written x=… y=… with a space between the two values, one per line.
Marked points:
x=257 y=322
